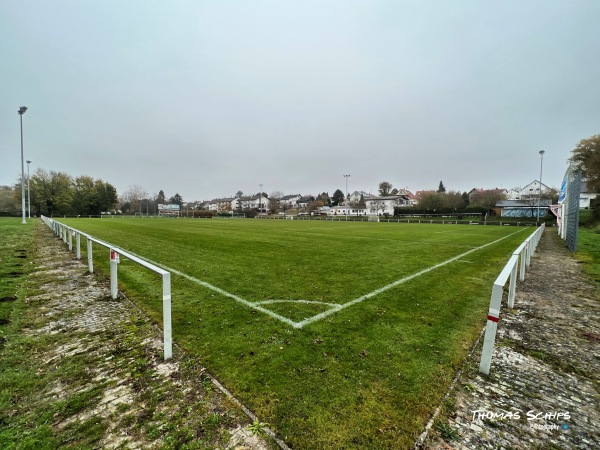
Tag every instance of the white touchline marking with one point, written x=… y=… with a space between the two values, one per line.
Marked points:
x=334 y=307
x=225 y=293
x=392 y=285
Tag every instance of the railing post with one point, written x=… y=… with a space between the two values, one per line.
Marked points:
x=90 y=256
x=167 y=328
x=490 y=330
x=114 y=289
x=70 y=239
x=523 y=263
x=78 y=244
x=512 y=284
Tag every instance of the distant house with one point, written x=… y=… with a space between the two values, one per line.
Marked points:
x=347 y=210
x=302 y=202
x=321 y=211
x=257 y=201
x=533 y=190
x=479 y=191
x=379 y=206
x=513 y=194
x=586 y=197
x=221 y=204
x=412 y=198
x=290 y=200
x=202 y=205
x=420 y=194
x=356 y=196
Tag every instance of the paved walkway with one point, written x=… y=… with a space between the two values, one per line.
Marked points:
x=544 y=387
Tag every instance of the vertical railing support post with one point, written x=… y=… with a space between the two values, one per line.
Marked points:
x=78 y=244
x=90 y=256
x=522 y=264
x=513 y=284
x=114 y=289
x=490 y=330
x=167 y=328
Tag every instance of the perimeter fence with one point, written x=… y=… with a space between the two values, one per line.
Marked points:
x=518 y=262
x=68 y=234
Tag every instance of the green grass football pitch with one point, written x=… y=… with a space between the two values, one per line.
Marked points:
x=338 y=334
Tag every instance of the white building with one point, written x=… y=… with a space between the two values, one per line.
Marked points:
x=586 y=197
x=290 y=201
x=257 y=201
x=346 y=210
x=379 y=206
x=529 y=191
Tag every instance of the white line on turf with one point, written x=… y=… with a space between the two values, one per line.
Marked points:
x=308 y=302
x=226 y=294
x=394 y=284
x=334 y=307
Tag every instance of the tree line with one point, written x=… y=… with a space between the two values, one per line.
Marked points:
x=57 y=193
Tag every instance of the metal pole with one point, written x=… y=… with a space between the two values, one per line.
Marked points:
x=22 y=110
x=28 y=191
x=167 y=327
x=540 y=190
x=347 y=202
x=114 y=287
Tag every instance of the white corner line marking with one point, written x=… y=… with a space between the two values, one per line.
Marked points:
x=362 y=298
x=334 y=307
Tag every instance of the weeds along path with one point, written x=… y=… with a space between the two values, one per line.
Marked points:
x=544 y=387
x=83 y=370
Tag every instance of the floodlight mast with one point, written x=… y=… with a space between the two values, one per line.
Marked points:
x=347 y=202
x=22 y=111
x=28 y=191
x=540 y=190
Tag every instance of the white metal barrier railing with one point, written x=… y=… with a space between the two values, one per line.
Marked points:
x=509 y=273
x=66 y=233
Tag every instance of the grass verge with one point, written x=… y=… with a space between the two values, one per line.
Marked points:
x=78 y=370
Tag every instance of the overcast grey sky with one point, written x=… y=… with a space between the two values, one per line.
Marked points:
x=206 y=98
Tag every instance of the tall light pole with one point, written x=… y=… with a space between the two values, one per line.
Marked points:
x=260 y=200
x=347 y=202
x=28 y=191
x=346 y=177
x=22 y=111
x=540 y=190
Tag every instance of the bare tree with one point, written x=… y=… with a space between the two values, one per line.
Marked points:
x=134 y=196
x=274 y=202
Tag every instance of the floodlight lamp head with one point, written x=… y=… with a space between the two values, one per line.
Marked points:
x=28 y=162
x=22 y=110
x=542 y=152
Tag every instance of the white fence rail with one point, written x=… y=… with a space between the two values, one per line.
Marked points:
x=509 y=273
x=67 y=233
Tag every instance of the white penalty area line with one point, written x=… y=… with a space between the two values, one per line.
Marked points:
x=223 y=292
x=362 y=298
x=334 y=307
